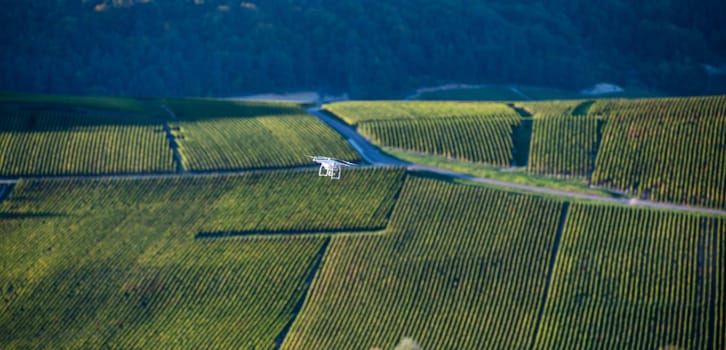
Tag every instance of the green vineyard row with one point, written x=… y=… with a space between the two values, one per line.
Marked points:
x=635 y=279
x=459 y=268
x=354 y=112
x=479 y=140
x=563 y=145
x=672 y=159
x=115 y=263
x=257 y=142
x=56 y=143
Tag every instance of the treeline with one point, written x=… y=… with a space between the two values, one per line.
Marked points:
x=369 y=49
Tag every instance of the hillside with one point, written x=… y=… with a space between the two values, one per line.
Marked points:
x=223 y=251
x=662 y=149
x=380 y=49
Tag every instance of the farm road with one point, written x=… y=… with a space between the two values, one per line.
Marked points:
x=375 y=157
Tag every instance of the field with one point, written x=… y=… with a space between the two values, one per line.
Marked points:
x=459 y=267
x=633 y=279
x=563 y=145
x=230 y=135
x=475 y=132
x=245 y=246
x=670 y=150
x=257 y=142
x=52 y=136
x=50 y=143
x=119 y=263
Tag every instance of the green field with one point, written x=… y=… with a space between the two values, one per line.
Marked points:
x=229 y=135
x=459 y=268
x=53 y=135
x=51 y=143
x=119 y=263
x=666 y=157
x=279 y=257
x=474 y=132
x=633 y=279
x=563 y=145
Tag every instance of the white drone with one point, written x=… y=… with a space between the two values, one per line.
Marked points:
x=330 y=167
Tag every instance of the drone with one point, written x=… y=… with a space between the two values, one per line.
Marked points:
x=331 y=167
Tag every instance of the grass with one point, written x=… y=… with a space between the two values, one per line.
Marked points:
x=54 y=102
x=514 y=175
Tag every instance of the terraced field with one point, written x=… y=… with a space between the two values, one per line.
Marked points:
x=95 y=263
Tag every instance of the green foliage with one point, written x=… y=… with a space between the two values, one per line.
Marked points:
x=61 y=102
x=480 y=140
x=226 y=134
x=459 y=268
x=552 y=107
x=356 y=112
x=36 y=143
x=632 y=279
x=375 y=49
x=670 y=107
x=670 y=150
x=258 y=142
x=563 y=145
x=476 y=132
x=483 y=93
x=115 y=263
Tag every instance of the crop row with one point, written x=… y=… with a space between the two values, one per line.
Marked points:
x=48 y=143
x=670 y=108
x=354 y=112
x=632 y=278
x=257 y=142
x=461 y=267
x=480 y=140
x=674 y=160
x=563 y=145
x=114 y=263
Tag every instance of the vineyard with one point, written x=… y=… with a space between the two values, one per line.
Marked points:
x=355 y=112
x=633 y=279
x=257 y=142
x=556 y=107
x=563 y=145
x=665 y=157
x=459 y=268
x=476 y=140
x=66 y=143
x=475 y=132
x=94 y=263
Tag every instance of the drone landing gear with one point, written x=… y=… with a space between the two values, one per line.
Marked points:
x=334 y=172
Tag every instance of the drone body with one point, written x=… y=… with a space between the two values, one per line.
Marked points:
x=331 y=167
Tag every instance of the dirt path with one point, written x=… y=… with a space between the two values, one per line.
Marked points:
x=172 y=140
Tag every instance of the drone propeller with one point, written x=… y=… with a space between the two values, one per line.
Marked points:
x=346 y=163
